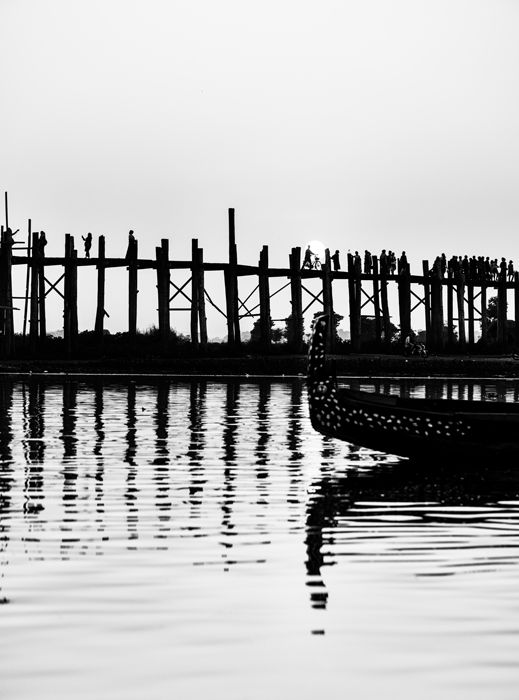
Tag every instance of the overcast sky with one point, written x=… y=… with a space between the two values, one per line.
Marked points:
x=364 y=124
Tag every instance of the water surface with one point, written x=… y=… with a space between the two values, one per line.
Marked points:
x=197 y=539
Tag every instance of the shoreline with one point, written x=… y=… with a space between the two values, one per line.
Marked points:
x=289 y=366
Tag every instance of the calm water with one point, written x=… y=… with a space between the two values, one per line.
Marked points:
x=199 y=540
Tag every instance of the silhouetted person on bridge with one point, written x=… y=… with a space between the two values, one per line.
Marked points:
x=465 y=266
x=384 y=267
x=132 y=246
x=473 y=268
x=9 y=236
x=88 y=244
x=307 y=260
x=368 y=262
x=510 y=271
x=42 y=242
x=336 y=262
x=402 y=263
x=391 y=258
x=357 y=263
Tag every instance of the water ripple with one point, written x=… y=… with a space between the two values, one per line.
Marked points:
x=200 y=537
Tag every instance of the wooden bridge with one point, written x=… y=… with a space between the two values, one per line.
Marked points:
x=447 y=302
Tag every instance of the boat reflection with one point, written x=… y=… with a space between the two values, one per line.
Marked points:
x=442 y=520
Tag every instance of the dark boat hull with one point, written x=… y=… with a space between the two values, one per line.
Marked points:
x=429 y=430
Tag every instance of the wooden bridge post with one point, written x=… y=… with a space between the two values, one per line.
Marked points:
x=516 y=309
x=70 y=322
x=229 y=306
x=201 y=299
x=133 y=255
x=41 y=286
x=437 y=321
x=27 y=278
x=460 y=294
x=296 y=327
x=450 y=309
x=484 y=319
x=264 y=298
x=231 y=287
x=34 y=288
x=66 y=296
x=358 y=306
x=328 y=299
x=404 y=301
x=354 y=304
x=6 y=295
x=376 y=300
x=501 y=310
x=101 y=275
x=429 y=333
x=470 y=303
x=163 y=284
x=195 y=289
x=385 y=307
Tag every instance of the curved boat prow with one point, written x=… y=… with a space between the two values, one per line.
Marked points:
x=317 y=351
x=411 y=427
x=322 y=392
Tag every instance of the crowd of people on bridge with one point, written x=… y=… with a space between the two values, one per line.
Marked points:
x=474 y=269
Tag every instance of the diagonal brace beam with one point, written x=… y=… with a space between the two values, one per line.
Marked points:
x=53 y=286
x=180 y=290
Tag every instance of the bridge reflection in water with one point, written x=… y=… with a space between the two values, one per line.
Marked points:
x=229 y=476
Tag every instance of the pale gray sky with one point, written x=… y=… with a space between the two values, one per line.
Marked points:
x=369 y=123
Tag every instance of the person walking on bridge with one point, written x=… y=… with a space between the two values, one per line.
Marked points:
x=308 y=259
x=87 y=244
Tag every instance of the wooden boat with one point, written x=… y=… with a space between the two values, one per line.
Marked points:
x=453 y=429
